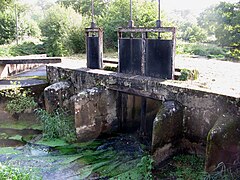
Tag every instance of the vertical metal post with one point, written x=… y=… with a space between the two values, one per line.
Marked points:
x=159 y=11
x=158 y=22
x=143 y=60
x=93 y=25
x=119 y=110
x=119 y=62
x=130 y=22
x=122 y=111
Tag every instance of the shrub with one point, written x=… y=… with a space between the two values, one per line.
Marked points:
x=57 y=125
x=4 y=50
x=188 y=74
x=27 y=48
x=208 y=50
x=146 y=167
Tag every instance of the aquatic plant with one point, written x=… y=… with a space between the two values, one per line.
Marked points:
x=7 y=173
x=58 y=124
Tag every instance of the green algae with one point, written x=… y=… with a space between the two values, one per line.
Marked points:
x=16 y=137
x=21 y=125
x=3 y=136
x=52 y=142
x=9 y=151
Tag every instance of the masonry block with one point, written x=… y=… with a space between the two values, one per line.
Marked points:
x=95 y=113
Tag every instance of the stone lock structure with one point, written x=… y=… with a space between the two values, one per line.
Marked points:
x=177 y=119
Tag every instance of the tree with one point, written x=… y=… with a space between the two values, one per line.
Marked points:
x=7 y=21
x=7 y=27
x=222 y=21
x=117 y=15
x=63 y=31
x=6 y=4
x=85 y=6
x=191 y=32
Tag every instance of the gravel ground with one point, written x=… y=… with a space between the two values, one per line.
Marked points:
x=217 y=76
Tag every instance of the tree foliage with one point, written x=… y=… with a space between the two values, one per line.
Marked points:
x=63 y=31
x=6 y=4
x=7 y=27
x=7 y=21
x=191 y=32
x=117 y=15
x=222 y=21
x=84 y=7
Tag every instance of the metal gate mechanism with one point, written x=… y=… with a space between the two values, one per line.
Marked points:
x=94 y=40
x=94 y=44
x=146 y=56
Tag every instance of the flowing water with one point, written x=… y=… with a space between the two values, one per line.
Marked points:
x=118 y=157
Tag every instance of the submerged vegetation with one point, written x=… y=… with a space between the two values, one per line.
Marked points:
x=110 y=158
x=11 y=173
x=183 y=167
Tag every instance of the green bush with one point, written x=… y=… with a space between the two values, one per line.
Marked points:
x=187 y=74
x=146 y=167
x=27 y=48
x=57 y=125
x=4 y=51
x=207 y=50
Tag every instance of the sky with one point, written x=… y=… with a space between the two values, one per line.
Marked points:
x=194 y=5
